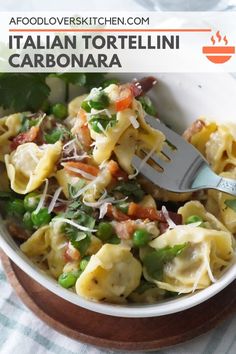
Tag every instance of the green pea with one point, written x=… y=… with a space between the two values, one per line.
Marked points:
x=41 y=218
x=59 y=110
x=31 y=201
x=15 y=207
x=100 y=101
x=141 y=238
x=105 y=231
x=84 y=262
x=123 y=207
x=193 y=218
x=53 y=137
x=67 y=280
x=85 y=105
x=27 y=222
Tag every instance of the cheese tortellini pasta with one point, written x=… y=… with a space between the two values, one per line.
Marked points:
x=207 y=253
x=9 y=128
x=29 y=165
x=111 y=274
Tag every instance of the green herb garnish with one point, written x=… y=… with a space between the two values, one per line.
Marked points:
x=147 y=105
x=155 y=261
x=130 y=189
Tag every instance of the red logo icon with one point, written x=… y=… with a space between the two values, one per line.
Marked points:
x=218 y=54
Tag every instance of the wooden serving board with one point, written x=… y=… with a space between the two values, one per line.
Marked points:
x=114 y=332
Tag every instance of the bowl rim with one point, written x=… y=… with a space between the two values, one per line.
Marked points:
x=134 y=311
x=130 y=310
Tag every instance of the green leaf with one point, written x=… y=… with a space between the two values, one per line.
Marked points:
x=147 y=105
x=104 y=120
x=155 y=261
x=73 y=189
x=72 y=78
x=22 y=92
x=74 y=234
x=94 y=80
x=231 y=203
x=130 y=189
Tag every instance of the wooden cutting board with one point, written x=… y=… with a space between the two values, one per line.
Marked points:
x=114 y=332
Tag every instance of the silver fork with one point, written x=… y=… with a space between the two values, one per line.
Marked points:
x=183 y=168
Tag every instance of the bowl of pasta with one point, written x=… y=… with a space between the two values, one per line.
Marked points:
x=81 y=221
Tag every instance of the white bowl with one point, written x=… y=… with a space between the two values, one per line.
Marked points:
x=180 y=99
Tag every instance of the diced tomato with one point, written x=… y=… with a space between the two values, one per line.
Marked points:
x=25 y=137
x=71 y=253
x=125 y=99
x=137 y=211
x=116 y=214
x=92 y=170
x=116 y=171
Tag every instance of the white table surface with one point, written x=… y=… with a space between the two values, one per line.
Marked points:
x=20 y=330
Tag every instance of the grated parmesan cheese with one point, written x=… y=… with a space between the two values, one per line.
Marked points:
x=42 y=198
x=54 y=199
x=170 y=222
x=72 y=223
x=134 y=122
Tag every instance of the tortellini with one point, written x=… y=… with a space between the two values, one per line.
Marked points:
x=199 y=133
x=9 y=128
x=38 y=244
x=221 y=148
x=95 y=189
x=125 y=149
x=207 y=253
x=30 y=164
x=111 y=275
x=120 y=138
x=196 y=208
x=50 y=242
x=74 y=105
x=64 y=180
x=105 y=144
x=216 y=203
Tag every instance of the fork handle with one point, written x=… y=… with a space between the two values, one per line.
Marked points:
x=207 y=179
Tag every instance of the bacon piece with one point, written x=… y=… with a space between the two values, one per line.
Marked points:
x=82 y=130
x=137 y=211
x=195 y=128
x=116 y=171
x=124 y=229
x=92 y=170
x=25 y=137
x=141 y=87
x=116 y=214
x=71 y=253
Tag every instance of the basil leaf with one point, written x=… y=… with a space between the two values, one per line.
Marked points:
x=155 y=261
x=130 y=189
